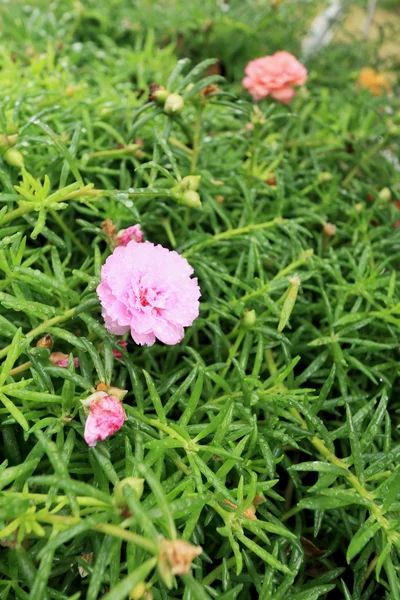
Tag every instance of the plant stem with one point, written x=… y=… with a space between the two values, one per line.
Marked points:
x=22 y=210
x=352 y=479
x=196 y=140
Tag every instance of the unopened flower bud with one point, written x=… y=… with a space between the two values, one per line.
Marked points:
x=45 y=342
x=324 y=177
x=191 y=199
x=59 y=359
x=4 y=142
x=106 y=416
x=117 y=353
x=157 y=93
x=329 y=229
x=385 y=194
x=124 y=236
x=12 y=139
x=14 y=158
x=219 y=198
x=249 y=319
x=135 y=483
x=306 y=254
x=190 y=182
x=358 y=207
x=174 y=104
x=257 y=117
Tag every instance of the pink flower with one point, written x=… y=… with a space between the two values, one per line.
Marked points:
x=61 y=360
x=274 y=76
x=126 y=235
x=106 y=416
x=148 y=290
x=118 y=354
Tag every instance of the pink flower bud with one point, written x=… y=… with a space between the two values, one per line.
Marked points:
x=117 y=353
x=126 y=235
x=106 y=416
x=59 y=359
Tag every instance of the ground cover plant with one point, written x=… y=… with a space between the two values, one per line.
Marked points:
x=267 y=439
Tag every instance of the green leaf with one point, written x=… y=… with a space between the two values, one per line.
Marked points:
x=122 y=590
x=361 y=538
x=355 y=445
x=13 y=353
x=155 y=398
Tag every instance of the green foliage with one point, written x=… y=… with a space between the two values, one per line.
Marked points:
x=282 y=400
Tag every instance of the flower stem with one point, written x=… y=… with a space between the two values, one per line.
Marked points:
x=196 y=141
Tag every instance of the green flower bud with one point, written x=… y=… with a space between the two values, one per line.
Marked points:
x=385 y=194
x=324 y=177
x=14 y=158
x=161 y=96
x=249 y=319
x=12 y=139
x=191 y=182
x=4 y=142
x=133 y=482
x=174 y=104
x=191 y=199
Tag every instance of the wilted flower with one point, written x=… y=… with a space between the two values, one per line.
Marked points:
x=59 y=359
x=45 y=342
x=377 y=83
x=148 y=290
x=179 y=555
x=274 y=76
x=106 y=416
x=329 y=229
x=88 y=558
x=127 y=235
x=108 y=227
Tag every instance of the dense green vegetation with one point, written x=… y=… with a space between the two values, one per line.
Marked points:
x=283 y=396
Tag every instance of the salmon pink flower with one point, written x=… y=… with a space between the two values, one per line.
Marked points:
x=148 y=290
x=274 y=76
x=125 y=236
x=59 y=359
x=117 y=353
x=106 y=416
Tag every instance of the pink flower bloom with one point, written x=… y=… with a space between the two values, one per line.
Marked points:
x=148 y=290
x=61 y=360
x=274 y=76
x=106 y=416
x=126 y=235
x=118 y=354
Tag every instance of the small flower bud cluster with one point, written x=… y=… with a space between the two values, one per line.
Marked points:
x=186 y=191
